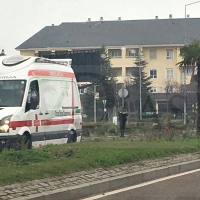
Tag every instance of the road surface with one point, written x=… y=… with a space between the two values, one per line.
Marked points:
x=185 y=186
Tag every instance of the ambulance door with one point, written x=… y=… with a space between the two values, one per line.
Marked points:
x=52 y=95
x=34 y=111
x=77 y=107
x=72 y=109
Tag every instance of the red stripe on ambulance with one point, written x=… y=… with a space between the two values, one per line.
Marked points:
x=15 y=124
x=47 y=122
x=54 y=73
x=37 y=123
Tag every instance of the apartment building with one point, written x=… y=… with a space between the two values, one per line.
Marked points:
x=161 y=63
x=157 y=41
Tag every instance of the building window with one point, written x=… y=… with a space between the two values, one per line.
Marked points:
x=170 y=73
x=169 y=54
x=83 y=90
x=153 y=73
x=153 y=90
x=117 y=71
x=132 y=52
x=115 y=53
x=179 y=52
x=129 y=71
x=189 y=70
x=152 y=54
x=169 y=88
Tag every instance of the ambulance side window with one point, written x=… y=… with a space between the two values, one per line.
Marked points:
x=33 y=96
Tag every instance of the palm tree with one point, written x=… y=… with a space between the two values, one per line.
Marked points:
x=191 y=58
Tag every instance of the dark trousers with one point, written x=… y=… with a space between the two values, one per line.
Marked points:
x=121 y=132
x=122 y=123
x=122 y=127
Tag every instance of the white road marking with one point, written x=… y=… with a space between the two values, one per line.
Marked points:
x=139 y=185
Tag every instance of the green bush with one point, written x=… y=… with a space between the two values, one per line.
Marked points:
x=167 y=116
x=99 y=128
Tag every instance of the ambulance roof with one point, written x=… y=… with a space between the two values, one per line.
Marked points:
x=22 y=64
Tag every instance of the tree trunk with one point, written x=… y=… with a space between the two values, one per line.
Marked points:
x=167 y=102
x=110 y=115
x=198 y=97
x=134 y=109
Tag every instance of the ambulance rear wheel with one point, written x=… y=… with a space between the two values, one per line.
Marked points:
x=72 y=136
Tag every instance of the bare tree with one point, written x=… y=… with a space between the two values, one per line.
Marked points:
x=170 y=86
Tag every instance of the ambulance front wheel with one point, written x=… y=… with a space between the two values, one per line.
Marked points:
x=72 y=136
x=25 y=141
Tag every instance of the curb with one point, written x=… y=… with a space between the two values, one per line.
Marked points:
x=110 y=184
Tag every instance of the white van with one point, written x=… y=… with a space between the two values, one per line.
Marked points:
x=39 y=102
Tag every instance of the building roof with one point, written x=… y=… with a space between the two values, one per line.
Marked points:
x=115 y=33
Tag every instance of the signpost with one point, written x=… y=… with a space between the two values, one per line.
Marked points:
x=104 y=106
x=123 y=93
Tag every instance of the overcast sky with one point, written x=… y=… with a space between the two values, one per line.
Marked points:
x=20 y=19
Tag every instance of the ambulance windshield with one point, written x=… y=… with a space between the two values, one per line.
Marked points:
x=12 y=92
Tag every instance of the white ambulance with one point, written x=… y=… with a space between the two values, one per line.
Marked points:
x=39 y=102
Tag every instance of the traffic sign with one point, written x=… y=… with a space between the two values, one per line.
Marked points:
x=104 y=102
x=123 y=92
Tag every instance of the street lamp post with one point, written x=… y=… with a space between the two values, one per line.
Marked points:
x=186 y=17
x=140 y=75
x=185 y=41
x=95 y=104
x=104 y=109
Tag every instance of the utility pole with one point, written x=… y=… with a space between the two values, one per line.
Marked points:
x=140 y=75
x=95 y=105
x=184 y=78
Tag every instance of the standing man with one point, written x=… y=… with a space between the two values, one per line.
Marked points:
x=122 y=115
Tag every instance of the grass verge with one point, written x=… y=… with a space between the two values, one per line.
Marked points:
x=54 y=160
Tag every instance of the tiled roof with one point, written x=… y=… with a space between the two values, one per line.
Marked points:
x=115 y=33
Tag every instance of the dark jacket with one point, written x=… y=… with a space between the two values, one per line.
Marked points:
x=122 y=115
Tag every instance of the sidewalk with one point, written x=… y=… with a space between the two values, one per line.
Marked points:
x=85 y=183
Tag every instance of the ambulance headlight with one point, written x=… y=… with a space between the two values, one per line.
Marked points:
x=4 y=124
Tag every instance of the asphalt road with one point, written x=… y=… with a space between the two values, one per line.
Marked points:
x=185 y=187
